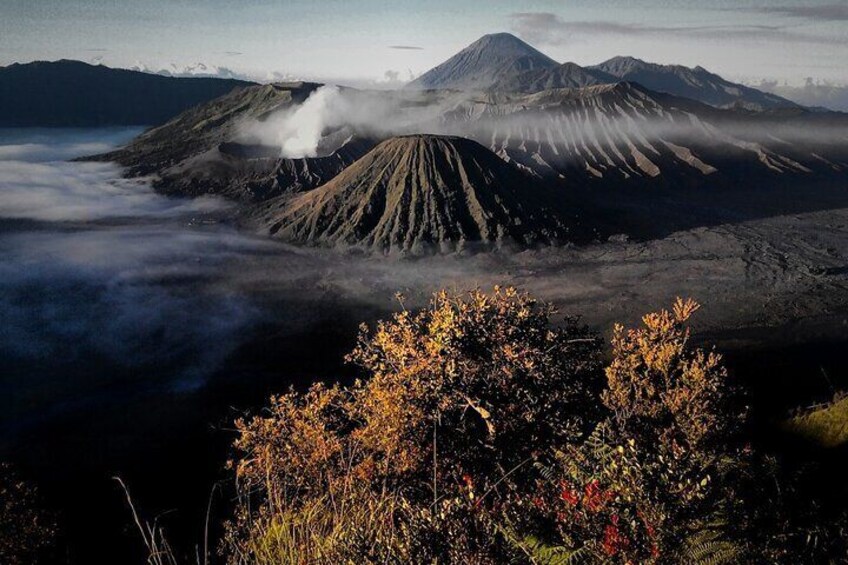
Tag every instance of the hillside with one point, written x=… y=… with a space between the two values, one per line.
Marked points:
x=623 y=133
x=76 y=94
x=567 y=75
x=256 y=173
x=697 y=84
x=417 y=193
x=202 y=128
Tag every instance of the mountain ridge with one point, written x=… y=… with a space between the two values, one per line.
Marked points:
x=566 y=75
x=696 y=83
x=69 y=93
x=503 y=62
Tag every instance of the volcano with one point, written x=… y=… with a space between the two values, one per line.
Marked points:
x=422 y=193
x=490 y=60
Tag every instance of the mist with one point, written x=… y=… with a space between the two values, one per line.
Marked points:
x=102 y=281
x=109 y=290
x=332 y=115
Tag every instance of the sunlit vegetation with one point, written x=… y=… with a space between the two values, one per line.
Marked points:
x=482 y=433
x=826 y=426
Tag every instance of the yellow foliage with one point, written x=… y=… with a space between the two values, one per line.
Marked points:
x=480 y=433
x=472 y=386
x=826 y=426
x=656 y=380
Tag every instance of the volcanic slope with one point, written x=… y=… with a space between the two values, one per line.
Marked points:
x=254 y=173
x=422 y=193
x=567 y=75
x=204 y=127
x=201 y=152
x=624 y=132
x=490 y=60
x=697 y=84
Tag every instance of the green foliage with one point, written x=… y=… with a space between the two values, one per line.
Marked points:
x=710 y=546
x=540 y=552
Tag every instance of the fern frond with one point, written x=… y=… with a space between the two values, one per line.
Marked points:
x=540 y=552
x=710 y=546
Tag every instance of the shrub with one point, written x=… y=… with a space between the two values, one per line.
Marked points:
x=482 y=434
x=26 y=531
x=662 y=390
x=654 y=482
x=486 y=373
x=460 y=399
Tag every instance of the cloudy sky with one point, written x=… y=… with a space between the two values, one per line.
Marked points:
x=366 y=39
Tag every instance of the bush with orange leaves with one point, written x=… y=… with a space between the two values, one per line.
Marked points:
x=662 y=390
x=655 y=482
x=460 y=399
x=482 y=434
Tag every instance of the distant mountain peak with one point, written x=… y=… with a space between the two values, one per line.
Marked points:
x=626 y=59
x=501 y=35
x=484 y=63
x=504 y=40
x=695 y=83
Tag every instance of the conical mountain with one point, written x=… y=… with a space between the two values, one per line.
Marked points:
x=421 y=193
x=484 y=63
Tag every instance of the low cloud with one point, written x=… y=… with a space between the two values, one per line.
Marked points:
x=813 y=93
x=821 y=12
x=35 y=145
x=406 y=47
x=551 y=29
x=136 y=292
x=39 y=185
x=110 y=295
x=84 y=192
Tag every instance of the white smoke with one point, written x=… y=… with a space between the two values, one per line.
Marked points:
x=298 y=131
x=301 y=131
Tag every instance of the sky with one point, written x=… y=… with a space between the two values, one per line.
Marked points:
x=390 y=40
